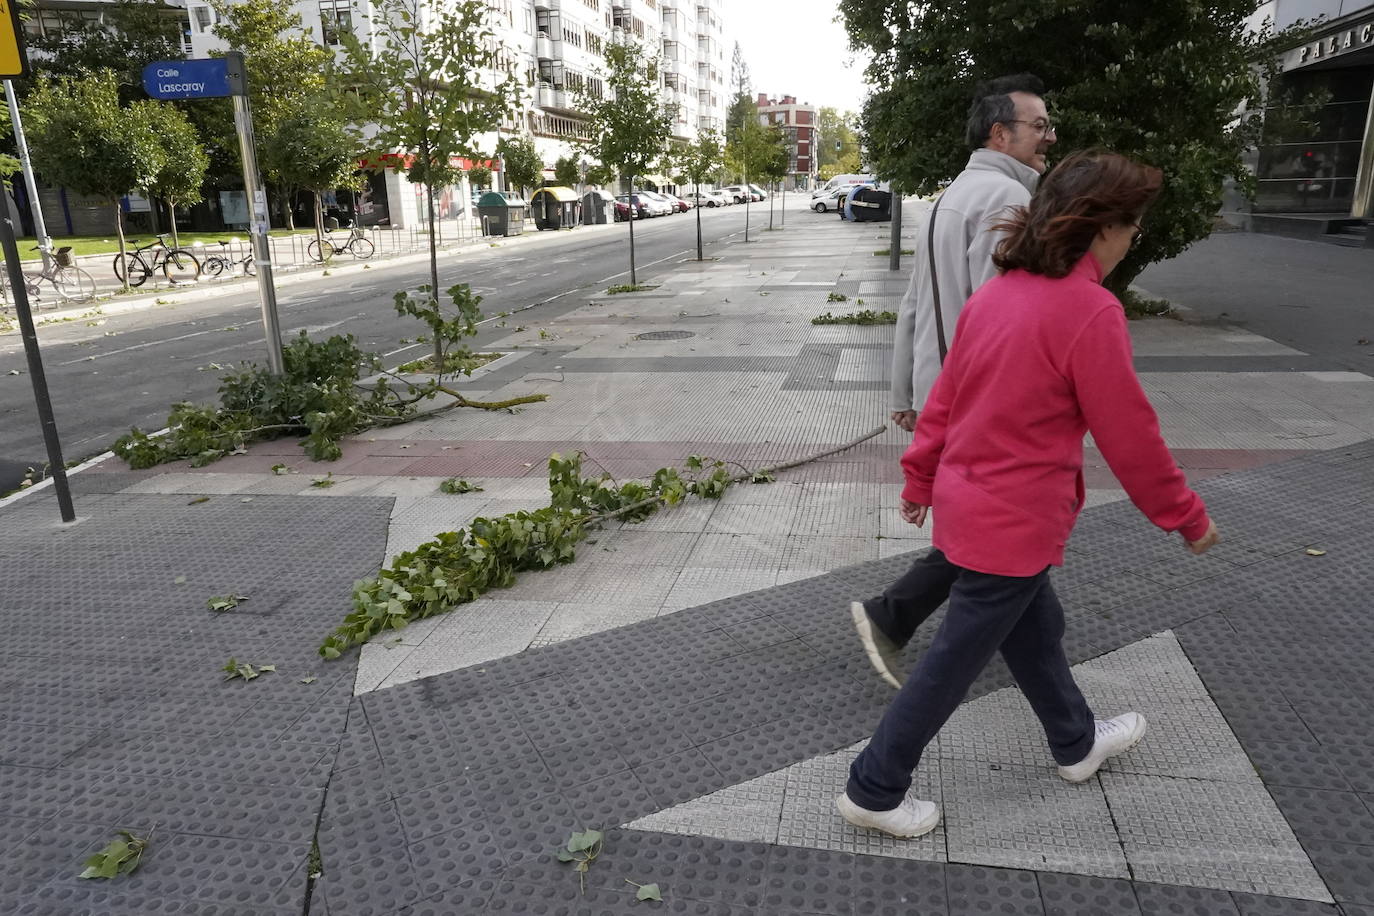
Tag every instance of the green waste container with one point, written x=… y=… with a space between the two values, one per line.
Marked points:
x=502 y=213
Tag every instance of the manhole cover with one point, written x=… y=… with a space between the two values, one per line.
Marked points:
x=665 y=335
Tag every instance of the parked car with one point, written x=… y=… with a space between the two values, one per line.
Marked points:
x=641 y=206
x=703 y=198
x=759 y=193
x=683 y=204
x=738 y=193
x=833 y=200
x=660 y=203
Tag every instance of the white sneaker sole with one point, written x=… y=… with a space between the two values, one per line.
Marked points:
x=1074 y=775
x=860 y=817
x=875 y=658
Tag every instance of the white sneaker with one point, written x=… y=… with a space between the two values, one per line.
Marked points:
x=1112 y=737
x=881 y=651
x=911 y=818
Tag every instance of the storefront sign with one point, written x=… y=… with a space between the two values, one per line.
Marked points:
x=1351 y=38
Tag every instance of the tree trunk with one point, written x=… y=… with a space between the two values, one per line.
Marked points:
x=748 y=198
x=699 y=255
x=119 y=230
x=634 y=211
x=319 y=220
x=289 y=206
x=434 y=272
x=172 y=223
x=770 y=207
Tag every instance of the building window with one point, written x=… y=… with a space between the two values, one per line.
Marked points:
x=595 y=43
x=593 y=5
x=203 y=19
x=336 y=19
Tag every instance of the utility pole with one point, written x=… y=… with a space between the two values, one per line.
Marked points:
x=894 y=258
x=40 y=231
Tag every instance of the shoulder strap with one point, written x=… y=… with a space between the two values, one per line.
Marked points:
x=934 y=283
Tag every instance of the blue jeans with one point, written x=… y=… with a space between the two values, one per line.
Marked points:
x=1021 y=617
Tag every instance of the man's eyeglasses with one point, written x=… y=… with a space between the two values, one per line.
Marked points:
x=1039 y=125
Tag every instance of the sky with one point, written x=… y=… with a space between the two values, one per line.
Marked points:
x=793 y=47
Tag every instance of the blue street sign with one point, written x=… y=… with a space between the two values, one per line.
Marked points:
x=187 y=79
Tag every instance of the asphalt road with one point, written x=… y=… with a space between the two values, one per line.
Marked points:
x=1313 y=296
x=108 y=374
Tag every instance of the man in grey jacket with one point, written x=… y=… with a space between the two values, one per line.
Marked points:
x=1010 y=131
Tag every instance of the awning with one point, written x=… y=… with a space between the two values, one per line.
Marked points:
x=653 y=179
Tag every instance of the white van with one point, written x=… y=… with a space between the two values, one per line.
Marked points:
x=843 y=181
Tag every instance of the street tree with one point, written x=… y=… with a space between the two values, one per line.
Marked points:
x=743 y=109
x=774 y=160
x=82 y=139
x=628 y=125
x=566 y=172
x=1160 y=82
x=837 y=144
x=432 y=82
x=524 y=166
x=699 y=161
x=479 y=176
x=599 y=175
x=285 y=68
x=182 y=163
x=315 y=149
x=129 y=35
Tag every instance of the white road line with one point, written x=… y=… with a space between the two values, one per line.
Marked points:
x=639 y=267
x=144 y=346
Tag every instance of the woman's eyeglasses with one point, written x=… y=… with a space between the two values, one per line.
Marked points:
x=1135 y=236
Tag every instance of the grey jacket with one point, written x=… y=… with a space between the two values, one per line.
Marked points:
x=978 y=198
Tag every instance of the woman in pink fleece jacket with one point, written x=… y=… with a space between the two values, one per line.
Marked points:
x=1040 y=357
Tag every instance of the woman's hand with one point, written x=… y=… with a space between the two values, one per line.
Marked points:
x=1207 y=541
x=913 y=514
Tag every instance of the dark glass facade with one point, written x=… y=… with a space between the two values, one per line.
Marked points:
x=1310 y=155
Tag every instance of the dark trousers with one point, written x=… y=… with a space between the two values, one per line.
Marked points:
x=908 y=602
x=1023 y=619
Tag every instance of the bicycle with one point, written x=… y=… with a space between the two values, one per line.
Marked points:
x=357 y=245
x=68 y=281
x=177 y=264
x=223 y=261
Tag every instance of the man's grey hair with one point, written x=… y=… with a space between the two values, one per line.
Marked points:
x=992 y=104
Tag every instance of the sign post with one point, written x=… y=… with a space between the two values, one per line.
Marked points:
x=14 y=62
x=216 y=78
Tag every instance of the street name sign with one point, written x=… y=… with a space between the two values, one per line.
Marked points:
x=185 y=79
x=13 y=60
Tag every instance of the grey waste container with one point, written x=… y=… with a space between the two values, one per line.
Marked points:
x=555 y=208
x=502 y=213
x=598 y=207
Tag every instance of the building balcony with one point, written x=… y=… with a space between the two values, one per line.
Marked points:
x=545 y=96
x=670 y=30
x=551 y=5
x=544 y=47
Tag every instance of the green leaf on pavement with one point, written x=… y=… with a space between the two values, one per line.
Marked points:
x=648 y=892
x=119 y=857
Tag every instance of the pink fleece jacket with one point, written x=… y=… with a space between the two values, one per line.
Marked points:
x=1037 y=362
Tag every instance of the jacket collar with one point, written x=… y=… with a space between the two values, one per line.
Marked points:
x=988 y=160
x=1089 y=268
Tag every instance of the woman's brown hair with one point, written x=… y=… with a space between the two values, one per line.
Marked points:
x=1082 y=195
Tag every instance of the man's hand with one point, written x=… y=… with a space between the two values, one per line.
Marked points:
x=1207 y=541
x=913 y=514
x=906 y=419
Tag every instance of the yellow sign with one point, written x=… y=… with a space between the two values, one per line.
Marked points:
x=13 y=60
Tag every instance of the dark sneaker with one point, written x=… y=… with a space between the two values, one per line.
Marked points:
x=1111 y=737
x=912 y=818
x=881 y=651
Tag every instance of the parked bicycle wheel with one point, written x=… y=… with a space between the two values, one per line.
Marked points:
x=215 y=265
x=312 y=251
x=249 y=268
x=137 y=269
x=74 y=283
x=362 y=248
x=180 y=266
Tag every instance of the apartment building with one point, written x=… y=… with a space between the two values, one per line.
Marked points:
x=798 y=121
x=557 y=45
